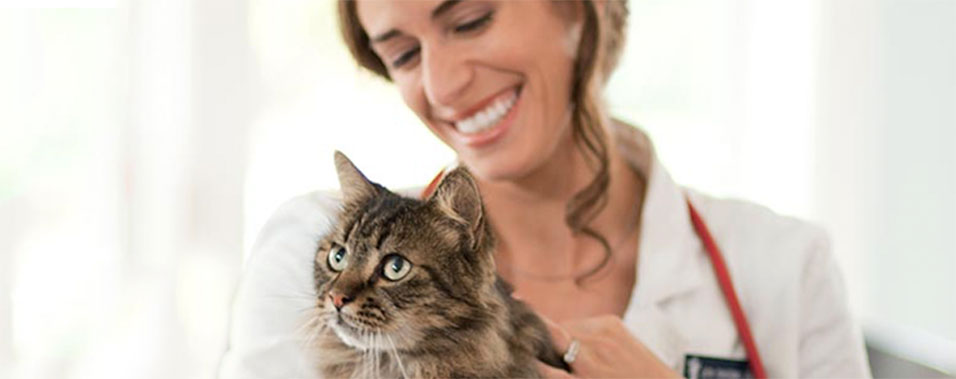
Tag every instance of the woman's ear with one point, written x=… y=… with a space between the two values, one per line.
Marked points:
x=354 y=185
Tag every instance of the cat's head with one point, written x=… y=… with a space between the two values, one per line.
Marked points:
x=395 y=270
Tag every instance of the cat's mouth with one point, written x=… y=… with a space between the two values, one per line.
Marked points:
x=356 y=335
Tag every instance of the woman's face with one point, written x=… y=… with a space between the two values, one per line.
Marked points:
x=492 y=79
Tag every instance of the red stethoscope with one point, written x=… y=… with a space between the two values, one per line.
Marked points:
x=723 y=279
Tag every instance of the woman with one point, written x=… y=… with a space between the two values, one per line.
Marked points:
x=591 y=230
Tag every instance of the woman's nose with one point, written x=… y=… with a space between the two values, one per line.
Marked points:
x=445 y=75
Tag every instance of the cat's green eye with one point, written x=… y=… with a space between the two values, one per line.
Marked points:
x=396 y=267
x=338 y=258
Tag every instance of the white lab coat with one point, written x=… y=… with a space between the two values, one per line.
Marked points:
x=783 y=270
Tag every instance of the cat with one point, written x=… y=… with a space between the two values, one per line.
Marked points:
x=407 y=288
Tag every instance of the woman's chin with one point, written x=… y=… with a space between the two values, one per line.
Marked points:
x=498 y=168
x=514 y=159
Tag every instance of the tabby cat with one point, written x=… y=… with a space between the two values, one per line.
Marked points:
x=407 y=288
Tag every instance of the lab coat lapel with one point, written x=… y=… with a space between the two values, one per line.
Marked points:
x=669 y=251
x=669 y=262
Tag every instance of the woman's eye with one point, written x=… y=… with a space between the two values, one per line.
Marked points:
x=396 y=267
x=474 y=24
x=405 y=57
x=338 y=259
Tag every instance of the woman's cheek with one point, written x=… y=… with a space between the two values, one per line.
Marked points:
x=414 y=97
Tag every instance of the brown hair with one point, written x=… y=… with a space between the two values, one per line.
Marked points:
x=602 y=39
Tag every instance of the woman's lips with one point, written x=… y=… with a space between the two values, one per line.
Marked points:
x=495 y=132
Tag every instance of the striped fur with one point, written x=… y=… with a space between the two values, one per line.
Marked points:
x=450 y=316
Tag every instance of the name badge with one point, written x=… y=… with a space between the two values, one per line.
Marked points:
x=700 y=367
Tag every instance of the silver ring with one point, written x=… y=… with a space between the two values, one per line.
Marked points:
x=572 y=352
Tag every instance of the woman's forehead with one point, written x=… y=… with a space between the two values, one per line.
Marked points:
x=381 y=16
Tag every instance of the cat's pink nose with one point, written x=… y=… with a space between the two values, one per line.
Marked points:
x=339 y=300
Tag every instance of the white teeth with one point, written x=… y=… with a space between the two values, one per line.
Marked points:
x=488 y=117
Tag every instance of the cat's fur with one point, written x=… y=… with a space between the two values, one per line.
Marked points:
x=450 y=316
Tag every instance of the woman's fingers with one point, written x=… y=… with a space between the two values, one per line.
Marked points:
x=551 y=372
x=607 y=350
x=562 y=342
x=560 y=337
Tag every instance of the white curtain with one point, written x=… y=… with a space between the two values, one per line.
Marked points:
x=125 y=146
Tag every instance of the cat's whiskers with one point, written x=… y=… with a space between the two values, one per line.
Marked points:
x=289 y=292
x=380 y=341
x=375 y=357
x=313 y=334
x=293 y=296
x=370 y=367
x=398 y=359
x=312 y=327
x=365 y=359
x=314 y=320
x=371 y=355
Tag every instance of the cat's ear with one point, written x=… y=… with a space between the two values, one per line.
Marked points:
x=354 y=185
x=457 y=197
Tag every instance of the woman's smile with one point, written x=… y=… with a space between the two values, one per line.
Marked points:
x=489 y=78
x=489 y=121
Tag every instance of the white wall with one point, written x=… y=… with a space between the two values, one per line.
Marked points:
x=886 y=166
x=124 y=143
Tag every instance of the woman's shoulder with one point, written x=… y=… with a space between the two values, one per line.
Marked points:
x=757 y=230
x=781 y=253
x=276 y=288
x=298 y=222
x=317 y=208
x=789 y=280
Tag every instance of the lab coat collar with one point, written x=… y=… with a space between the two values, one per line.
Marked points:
x=669 y=250
x=670 y=260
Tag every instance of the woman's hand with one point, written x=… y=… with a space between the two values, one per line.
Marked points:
x=606 y=350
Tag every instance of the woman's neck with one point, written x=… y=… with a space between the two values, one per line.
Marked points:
x=528 y=214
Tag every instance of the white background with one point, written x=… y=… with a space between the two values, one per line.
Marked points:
x=144 y=143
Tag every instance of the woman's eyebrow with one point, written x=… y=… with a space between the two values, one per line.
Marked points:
x=385 y=36
x=442 y=8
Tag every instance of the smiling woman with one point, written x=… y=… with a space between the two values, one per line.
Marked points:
x=512 y=77
x=579 y=208
x=517 y=77
x=457 y=61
